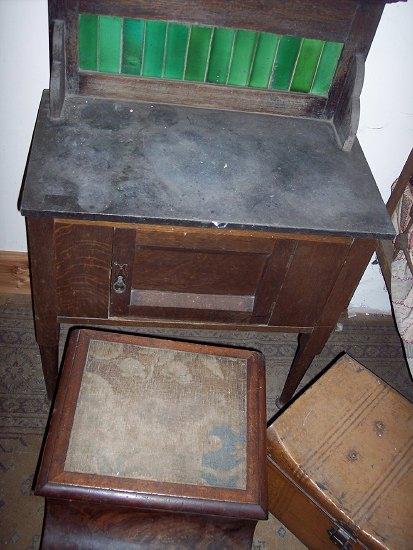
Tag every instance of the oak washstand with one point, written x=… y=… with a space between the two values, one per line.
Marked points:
x=197 y=165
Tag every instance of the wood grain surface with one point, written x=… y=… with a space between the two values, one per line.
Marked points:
x=83 y=259
x=308 y=282
x=41 y=246
x=14 y=272
x=103 y=527
x=346 y=444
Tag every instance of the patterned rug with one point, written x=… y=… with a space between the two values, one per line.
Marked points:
x=24 y=407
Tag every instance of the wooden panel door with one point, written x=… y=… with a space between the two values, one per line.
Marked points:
x=196 y=274
x=223 y=276
x=312 y=272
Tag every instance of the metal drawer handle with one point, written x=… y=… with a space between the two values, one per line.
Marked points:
x=119 y=285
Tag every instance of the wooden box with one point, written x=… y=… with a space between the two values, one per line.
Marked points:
x=154 y=443
x=339 y=463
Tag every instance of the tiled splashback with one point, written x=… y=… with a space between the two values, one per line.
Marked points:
x=217 y=55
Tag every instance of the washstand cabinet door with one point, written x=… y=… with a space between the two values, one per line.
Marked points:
x=195 y=274
x=191 y=274
x=222 y=276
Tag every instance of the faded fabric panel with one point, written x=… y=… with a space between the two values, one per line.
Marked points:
x=161 y=415
x=402 y=273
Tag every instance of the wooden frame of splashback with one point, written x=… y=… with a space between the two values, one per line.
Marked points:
x=352 y=22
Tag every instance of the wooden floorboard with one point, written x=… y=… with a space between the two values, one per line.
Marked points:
x=14 y=273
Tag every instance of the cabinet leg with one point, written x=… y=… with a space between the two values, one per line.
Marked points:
x=50 y=357
x=40 y=238
x=309 y=345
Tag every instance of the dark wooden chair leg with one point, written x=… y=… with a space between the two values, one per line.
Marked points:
x=309 y=345
x=49 y=356
x=40 y=238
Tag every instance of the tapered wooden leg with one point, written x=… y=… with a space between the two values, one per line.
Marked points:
x=49 y=356
x=40 y=238
x=309 y=345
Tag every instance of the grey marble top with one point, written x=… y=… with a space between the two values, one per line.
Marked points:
x=139 y=162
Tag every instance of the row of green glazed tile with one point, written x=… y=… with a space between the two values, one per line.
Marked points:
x=218 y=55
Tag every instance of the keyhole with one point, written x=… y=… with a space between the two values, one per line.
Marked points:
x=119 y=285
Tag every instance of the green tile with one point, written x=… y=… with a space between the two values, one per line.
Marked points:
x=109 y=43
x=133 y=30
x=306 y=66
x=220 y=57
x=153 y=56
x=326 y=68
x=88 y=40
x=285 y=62
x=264 y=60
x=237 y=57
x=242 y=58
x=198 y=53
x=176 y=47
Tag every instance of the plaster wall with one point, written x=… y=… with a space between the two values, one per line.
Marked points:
x=386 y=124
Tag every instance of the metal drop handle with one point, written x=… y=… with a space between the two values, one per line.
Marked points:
x=119 y=285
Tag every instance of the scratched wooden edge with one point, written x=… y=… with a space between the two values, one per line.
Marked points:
x=186 y=225
x=200 y=95
x=329 y=21
x=53 y=482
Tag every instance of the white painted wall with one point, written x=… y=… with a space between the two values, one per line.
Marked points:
x=24 y=73
x=386 y=123
x=385 y=129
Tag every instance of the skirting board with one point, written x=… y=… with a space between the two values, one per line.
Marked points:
x=14 y=273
